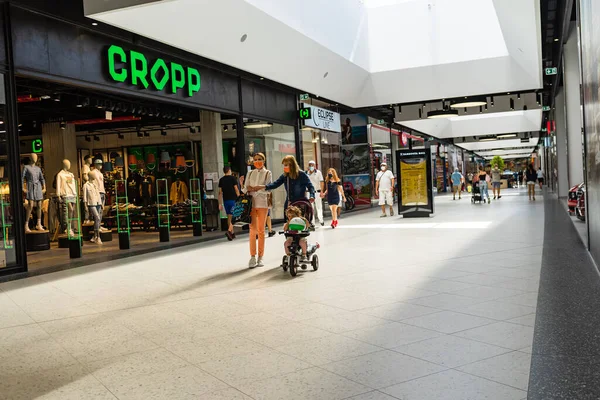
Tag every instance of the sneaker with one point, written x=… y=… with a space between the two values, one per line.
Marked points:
x=260 y=262
x=499 y=197
x=93 y=240
x=454 y=198
x=272 y=233
x=460 y=198
x=27 y=230
x=391 y=213
x=383 y=216
x=494 y=197
x=229 y=235
x=322 y=223
x=103 y=229
x=311 y=228
x=252 y=262
x=39 y=227
x=98 y=240
x=304 y=259
x=489 y=201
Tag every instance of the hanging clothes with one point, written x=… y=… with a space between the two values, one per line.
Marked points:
x=179 y=192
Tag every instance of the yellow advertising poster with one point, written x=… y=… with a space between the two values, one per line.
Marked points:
x=413 y=175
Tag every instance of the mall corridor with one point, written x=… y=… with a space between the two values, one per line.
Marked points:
x=443 y=308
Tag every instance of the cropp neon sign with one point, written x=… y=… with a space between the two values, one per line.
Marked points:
x=133 y=67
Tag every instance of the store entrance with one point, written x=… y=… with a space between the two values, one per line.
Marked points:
x=96 y=166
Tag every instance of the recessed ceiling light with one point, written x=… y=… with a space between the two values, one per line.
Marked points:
x=477 y=101
x=243 y=38
x=507 y=135
x=442 y=114
x=94 y=23
x=556 y=40
x=262 y=79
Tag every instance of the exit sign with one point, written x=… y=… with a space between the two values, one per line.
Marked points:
x=305 y=113
x=37 y=146
x=546 y=108
x=380 y=121
x=551 y=71
x=304 y=96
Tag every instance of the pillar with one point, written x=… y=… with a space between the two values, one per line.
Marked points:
x=59 y=144
x=572 y=77
x=561 y=145
x=212 y=147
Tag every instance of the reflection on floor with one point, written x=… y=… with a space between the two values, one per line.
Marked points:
x=439 y=311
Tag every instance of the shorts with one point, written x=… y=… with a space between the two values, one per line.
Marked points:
x=228 y=205
x=541 y=180
x=530 y=182
x=496 y=185
x=386 y=196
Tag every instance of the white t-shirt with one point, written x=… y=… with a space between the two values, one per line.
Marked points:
x=316 y=178
x=385 y=179
x=540 y=173
x=99 y=180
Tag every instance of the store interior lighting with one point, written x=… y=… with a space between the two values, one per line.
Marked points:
x=442 y=114
x=258 y=125
x=469 y=102
x=507 y=135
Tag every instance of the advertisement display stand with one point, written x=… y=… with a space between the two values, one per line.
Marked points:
x=164 y=217
x=414 y=183
x=123 y=227
x=196 y=205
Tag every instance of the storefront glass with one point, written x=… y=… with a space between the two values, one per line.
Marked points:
x=275 y=141
x=7 y=235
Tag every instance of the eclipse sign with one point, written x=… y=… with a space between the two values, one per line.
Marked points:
x=135 y=68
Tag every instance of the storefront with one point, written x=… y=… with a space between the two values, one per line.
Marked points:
x=155 y=124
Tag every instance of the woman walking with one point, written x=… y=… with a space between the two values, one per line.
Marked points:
x=483 y=185
x=334 y=192
x=295 y=181
x=254 y=184
x=530 y=177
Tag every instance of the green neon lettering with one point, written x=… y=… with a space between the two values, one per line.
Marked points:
x=193 y=77
x=113 y=52
x=159 y=64
x=177 y=77
x=138 y=74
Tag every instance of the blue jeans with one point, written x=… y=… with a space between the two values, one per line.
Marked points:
x=483 y=189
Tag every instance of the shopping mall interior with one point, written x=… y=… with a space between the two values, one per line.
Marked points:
x=341 y=200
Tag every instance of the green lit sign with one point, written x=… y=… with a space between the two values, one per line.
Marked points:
x=37 y=146
x=135 y=68
x=304 y=96
x=546 y=108
x=305 y=113
x=380 y=121
x=551 y=71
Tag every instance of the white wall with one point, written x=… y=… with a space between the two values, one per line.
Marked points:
x=561 y=145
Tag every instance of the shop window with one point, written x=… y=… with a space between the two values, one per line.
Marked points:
x=275 y=141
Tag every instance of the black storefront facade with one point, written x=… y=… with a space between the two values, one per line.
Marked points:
x=51 y=41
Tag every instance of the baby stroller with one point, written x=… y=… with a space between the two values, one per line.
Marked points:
x=476 y=193
x=295 y=259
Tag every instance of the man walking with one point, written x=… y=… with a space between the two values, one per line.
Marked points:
x=457 y=181
x=316 y=178
x=496 y=181
x=229 y=191
x=385 y=188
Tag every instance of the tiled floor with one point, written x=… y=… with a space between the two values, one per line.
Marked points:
x=431 y=309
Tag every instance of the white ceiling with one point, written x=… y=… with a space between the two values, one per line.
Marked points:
x=497 y=144
x=372 y=52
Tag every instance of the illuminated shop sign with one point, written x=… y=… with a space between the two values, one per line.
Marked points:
x=321 y=118
x=136 y=69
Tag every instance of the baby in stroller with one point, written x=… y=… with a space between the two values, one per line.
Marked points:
x=298 y=253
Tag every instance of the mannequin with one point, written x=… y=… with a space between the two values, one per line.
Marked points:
x=91 y=197
x=34 y=188
x=98 y=180
x=87 y=162
x=66 y=189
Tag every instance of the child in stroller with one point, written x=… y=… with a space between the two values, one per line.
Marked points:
x=298 y=253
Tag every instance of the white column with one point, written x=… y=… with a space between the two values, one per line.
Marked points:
x=561 y=145
x=573 y=109
x=212 y=145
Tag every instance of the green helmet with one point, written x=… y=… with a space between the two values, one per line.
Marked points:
x=297 y=224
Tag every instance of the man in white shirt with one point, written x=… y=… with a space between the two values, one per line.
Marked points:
x=385 y=188
x=316 y=178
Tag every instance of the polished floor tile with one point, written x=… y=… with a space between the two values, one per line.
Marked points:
x=392 y=335
x=510 y=369
x=503 y=334
x=448 y=321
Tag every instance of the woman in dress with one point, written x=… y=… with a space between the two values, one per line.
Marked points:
x=254 y=184
x=334 y=191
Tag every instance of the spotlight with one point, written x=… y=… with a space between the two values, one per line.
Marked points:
x=512 y=104
x=146 y=134
x=63 y=125
x=420 y=113
x=45 y=97
x=519 y=96
x=234 y=127
x=480 y=109
x=96 y=138
x=121 y=136
x=192 y=129
x=399 y=109
x=139 y=133
x=163 y=132
x=225 y=128
x=88 y=139
x=94 y=24
x=524 y=108
x=492 y=101
x=56 y=97
x=79 y=103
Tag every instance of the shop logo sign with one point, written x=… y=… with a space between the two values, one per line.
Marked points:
x=134 y=67
x=321 y=118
